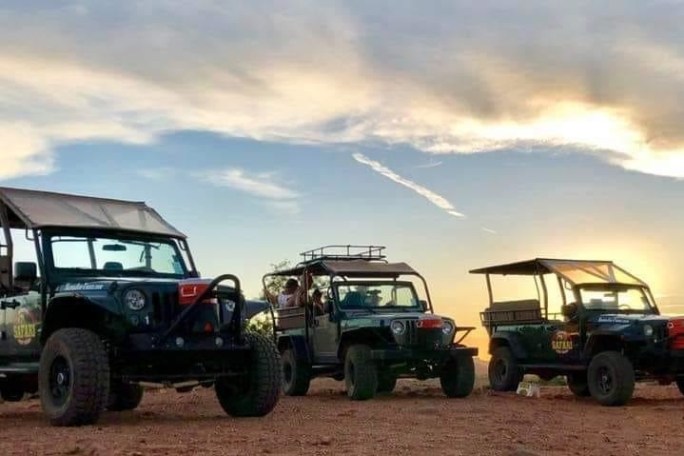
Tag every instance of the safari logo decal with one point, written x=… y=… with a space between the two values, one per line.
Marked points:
x=25 y=327
x=561 y=342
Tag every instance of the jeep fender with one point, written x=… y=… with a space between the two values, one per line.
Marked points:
x=297 y=344
x=600 y=341
x=510 y=340
x=373 y=337
x=75 y=311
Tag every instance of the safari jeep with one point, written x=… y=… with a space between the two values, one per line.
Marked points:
x=604 y=334
x=113 y=299
x=369 y=329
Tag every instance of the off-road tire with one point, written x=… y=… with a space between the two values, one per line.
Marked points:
x=257 y=393
x=611 y=378
x=458 y=377
x=387 y=381
x=124 y=396
x=680 y=384
x=73 y=377
x=504 y=372
x=360 y=373
x=296 y=374
x=577 y=383
x=11 y=389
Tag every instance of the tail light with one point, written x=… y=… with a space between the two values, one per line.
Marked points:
x=430 y=323
x=675 y=332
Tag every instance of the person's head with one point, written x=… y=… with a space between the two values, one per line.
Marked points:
x=291 y=286
x=317 y=295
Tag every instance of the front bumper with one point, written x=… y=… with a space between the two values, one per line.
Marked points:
x=195 y=357
x=440 y=354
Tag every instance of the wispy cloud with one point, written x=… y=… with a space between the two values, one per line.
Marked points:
x=263 y=186
x=426 y=193
x=432 y=164
x=488 y=230
x=546 y=76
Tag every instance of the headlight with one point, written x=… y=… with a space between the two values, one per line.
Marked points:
x=648 y=330
x=447 y=327
x=398 y=327
x=134 y=299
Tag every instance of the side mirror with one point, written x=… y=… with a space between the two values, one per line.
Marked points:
x=25 y=271
x=424 y=305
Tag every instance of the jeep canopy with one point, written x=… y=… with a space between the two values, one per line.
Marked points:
x=351 y=268
x=577 y=272
x=31 y=209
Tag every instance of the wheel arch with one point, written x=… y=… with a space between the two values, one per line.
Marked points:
x=503 y=339
x=297 y=344
x=366 y=336
x=602 y=341
x=77 y=312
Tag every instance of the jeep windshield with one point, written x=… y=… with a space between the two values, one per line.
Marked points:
x=616 y=298
x=117 y=256
x=377 y=296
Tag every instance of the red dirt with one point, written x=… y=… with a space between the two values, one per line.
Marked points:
x=415 y=419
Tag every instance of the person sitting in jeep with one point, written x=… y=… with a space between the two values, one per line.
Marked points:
x=288 y=297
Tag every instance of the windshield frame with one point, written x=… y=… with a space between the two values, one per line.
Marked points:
x=616 y=287
x=57 y=274
x=375 y=282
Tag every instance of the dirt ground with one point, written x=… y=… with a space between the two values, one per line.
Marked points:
x=416 y=419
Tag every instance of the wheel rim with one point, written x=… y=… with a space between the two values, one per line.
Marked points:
x=605 y=380
x=287 y=372
x=60 y=381
x=350 y=373
x=500 y=370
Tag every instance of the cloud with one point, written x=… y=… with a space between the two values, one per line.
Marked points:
x=452 y=77
x=488 y=230
x=261 y=185
x=430 y=165
x=426 y=193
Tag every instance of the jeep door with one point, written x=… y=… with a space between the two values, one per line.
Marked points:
x=325 y=332
x=21 y=324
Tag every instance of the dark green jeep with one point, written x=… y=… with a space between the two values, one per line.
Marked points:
x=112 y=299
x=368 y=327
x=601 y=329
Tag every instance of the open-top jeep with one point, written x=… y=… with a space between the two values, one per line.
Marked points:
x=369 y=328
x=112 y=300
x=606 y=332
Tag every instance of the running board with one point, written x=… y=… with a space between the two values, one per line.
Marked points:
x=555 y=367
x=19 y=368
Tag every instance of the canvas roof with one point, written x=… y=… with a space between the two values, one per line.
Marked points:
x=352 y=268
x=33 y=209
x=574 y=271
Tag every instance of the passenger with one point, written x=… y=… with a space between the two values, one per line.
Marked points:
x=374 y=299
x=318 y=304
x=287 y=298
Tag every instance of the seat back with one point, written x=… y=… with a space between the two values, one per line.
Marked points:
x=5 y=272
x=353 y=299
x=509 y=312
x=290 y=318
x=113 y=266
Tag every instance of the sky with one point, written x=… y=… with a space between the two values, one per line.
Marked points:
x=456 y=134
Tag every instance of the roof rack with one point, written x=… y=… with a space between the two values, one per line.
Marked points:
x=344 y=252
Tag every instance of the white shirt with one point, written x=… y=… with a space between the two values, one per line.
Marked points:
x=284 y=300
